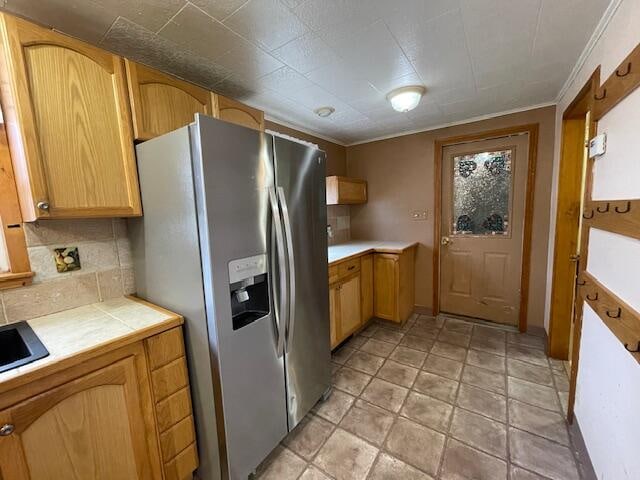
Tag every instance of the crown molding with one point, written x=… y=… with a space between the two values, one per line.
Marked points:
x=287 y=124
x=453 y=124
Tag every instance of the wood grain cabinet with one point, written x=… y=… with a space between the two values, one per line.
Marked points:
x=345 y=309
x=66 y=107
x=235 y=112
x=394 y=294
x=346 y=191
x=161 y=103
x=366 y=287
x=102 y=419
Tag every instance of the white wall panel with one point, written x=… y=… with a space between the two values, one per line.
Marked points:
x=616 y=174
x=614 y=260
x=607 y=402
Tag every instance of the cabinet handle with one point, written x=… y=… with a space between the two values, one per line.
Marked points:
x=43 y=206
x=6 y=430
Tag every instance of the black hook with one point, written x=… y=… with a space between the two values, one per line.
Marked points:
x=584 y=215
x=617 y=315
x=624 y=211
x=606 y=209
x=618 y=74
x=603 y=96
x=626 y=345
x=592 y=299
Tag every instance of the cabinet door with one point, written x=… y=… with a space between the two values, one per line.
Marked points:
x=386 y=280
x=334 y=322
x=66 y=108
x=91 y=427
x=366 y=286
x=235 y=112
x=350 y=316
x=161 y=103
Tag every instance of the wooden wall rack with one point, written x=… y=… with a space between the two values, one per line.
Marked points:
x=617 y=216
x=620 y=318
x=620 y=83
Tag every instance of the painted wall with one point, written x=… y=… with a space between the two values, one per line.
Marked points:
x=608 y=377
x=399 y=172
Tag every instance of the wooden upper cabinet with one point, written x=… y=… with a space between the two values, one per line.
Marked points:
x=161 y=103
x=346 y=191
x=91 y=427
x=66 y=107
x=235 y=112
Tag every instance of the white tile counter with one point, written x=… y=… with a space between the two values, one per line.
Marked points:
x=356 y=248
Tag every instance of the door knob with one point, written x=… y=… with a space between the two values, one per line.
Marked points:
x=445 y=241
x=43 y=206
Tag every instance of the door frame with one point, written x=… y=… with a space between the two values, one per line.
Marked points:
x=563 y=309
x=440 y=144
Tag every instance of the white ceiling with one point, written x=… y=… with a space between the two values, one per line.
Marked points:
x=288 y=57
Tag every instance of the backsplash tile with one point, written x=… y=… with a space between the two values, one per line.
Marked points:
x=106 y=272
x=340 y=221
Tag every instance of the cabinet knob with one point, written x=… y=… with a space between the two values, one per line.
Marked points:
x=6 y=429
x=43 y=206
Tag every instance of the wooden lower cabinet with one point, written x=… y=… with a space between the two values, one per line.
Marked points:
x=394 y=294
x=366 y=287
x=101 y=419
x=344 y=308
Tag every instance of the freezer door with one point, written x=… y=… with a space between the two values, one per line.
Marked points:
x=233 y=175
x=300 y=183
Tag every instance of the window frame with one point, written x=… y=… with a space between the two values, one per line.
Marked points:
x=11 y=228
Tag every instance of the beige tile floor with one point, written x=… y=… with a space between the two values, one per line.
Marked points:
x=435 y=399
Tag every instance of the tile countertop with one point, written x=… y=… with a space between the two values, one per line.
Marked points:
x=355 y=248
x=94 y=328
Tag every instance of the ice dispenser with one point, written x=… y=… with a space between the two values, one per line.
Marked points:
x=249 y=290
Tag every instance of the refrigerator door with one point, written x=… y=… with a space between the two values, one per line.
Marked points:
x=300 y=183
x=233 y=175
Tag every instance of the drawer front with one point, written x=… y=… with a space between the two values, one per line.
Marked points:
x=182 y=465
x=173 y=409
x=349 y=267
x=170 y=378
x=333 y=274
x=164 y=348
x=177 y=438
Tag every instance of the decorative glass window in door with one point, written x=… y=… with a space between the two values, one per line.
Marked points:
x=482 y=193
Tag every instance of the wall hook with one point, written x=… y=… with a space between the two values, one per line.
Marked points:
x=601 y=97
x=606 y=209
x=623 y=211
x=592 y=299
x=616 y=315
x=627 y=72
x=626 y=345
x=591 y=214
x=581 y=283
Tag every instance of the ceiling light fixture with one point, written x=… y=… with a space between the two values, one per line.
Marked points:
x=324 y=111
x=406 y=98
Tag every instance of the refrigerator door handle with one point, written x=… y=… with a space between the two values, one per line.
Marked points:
x=291 y=317
x=280 y=310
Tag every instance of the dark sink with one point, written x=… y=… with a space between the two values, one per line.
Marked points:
x=19 y=345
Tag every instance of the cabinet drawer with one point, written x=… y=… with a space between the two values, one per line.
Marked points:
x=349 y=267
x=177 y=438
x=170 y=378
x=333 y=274
x=173 y=409
x=183 y=465
x=165 y=348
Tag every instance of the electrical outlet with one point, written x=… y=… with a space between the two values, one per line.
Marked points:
x=419 y=215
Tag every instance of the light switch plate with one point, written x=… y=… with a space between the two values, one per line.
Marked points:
x=419 y=215
x=598 y=145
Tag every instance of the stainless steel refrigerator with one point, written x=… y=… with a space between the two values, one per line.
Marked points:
x=233 y=237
